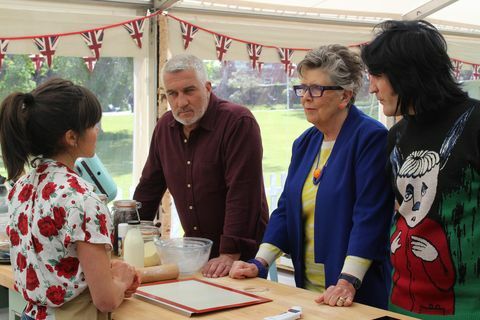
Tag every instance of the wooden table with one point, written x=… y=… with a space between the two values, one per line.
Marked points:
x=283 y=297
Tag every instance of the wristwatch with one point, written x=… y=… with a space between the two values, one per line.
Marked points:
x=356 y=283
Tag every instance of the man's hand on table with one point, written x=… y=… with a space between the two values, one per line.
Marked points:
x=220 y=266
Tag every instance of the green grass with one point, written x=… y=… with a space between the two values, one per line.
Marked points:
x=279 y=130
x=115 y=149
x=113 y=122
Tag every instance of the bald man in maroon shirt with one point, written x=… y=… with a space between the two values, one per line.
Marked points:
x=208 y=153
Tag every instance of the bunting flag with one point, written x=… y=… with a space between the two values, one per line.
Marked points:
x=46 y=46
x=90 y=62
x=135 y=30
x=285 y=58
x=188 y=32
x=475 y=72
x=457 y=68
x=291 y=70
x=259 y=67
x=222 y=44
x=254 y=51
x=3 y=50
x=94 y=40
x=37 y=60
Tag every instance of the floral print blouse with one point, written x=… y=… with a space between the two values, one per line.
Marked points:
x=51 y=208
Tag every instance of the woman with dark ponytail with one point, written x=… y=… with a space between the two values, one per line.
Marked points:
x=59 y=229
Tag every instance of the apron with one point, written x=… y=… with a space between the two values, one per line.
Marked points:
x=81 y=308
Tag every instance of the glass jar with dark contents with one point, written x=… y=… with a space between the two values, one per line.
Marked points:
x=122 y=212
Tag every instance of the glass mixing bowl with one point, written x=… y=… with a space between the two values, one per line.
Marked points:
x=189 y=253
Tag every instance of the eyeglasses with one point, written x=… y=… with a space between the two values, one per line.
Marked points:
x=314 y=90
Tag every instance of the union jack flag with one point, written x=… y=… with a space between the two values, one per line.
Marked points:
x=46 y=46
x=254 y=51
x=94 y=40
x=457 y=67
x=285 y=58
x=222 y=44
x=135 y=30
x=291 y=70
x=188 y=31
x=3 y=50
x=90 y=62
x=259 y=67
x=475 y=72
x=37 y=60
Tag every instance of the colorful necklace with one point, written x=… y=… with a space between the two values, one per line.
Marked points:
x=319 y=172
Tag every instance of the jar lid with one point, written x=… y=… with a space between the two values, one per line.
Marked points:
x=133 y=222
x=125 y=204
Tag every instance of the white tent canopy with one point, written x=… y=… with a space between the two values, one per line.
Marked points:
x=309 y=23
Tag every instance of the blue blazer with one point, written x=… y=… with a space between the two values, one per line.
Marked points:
x=353 y=210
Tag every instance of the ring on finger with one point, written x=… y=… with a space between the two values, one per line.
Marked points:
x=340 y=301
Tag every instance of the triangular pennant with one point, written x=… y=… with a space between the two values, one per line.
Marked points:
x=94 y=39
x=222 y=44
x=37 y=60
x=46 y=46
x=3 y=50
x=285 y=58
x=254 y=51
x=135 y=30
x=291 y=70
x=259 y=67
x=90 y=62
x=188 y=31
x=475 y=72
x=457 y=68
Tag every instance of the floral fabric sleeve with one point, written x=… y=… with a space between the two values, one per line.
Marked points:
x=87 y=218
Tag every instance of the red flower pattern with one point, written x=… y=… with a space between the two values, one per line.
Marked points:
x=12 y=192
x=59 y=216
x=26 y=192
x=102 y=220
x=74 y=184
x=32 y=279
x=48 y=190
x=56 y=294
x=57 y=229
x=14 y=237
x=42 y=313
x=23 y=223
x=41 y=168
x=66 y=241
x=41 y=178
x=21 y=262
x=67 y=267
x=47 y=227
x=37 y=245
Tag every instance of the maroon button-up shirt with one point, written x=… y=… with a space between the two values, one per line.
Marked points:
x=214 y=176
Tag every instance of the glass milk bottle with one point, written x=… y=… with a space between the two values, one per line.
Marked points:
x=133 y=247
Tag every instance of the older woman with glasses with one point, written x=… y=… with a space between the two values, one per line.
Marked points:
x=334 y=214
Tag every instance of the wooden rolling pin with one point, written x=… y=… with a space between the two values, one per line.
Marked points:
x=158 y=273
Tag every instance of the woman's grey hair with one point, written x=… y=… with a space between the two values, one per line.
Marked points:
x=184 y=62
x=344 y=66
